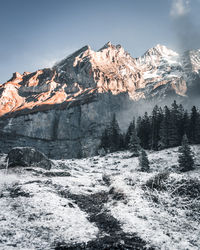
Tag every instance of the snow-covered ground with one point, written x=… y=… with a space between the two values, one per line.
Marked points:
x=40 y=209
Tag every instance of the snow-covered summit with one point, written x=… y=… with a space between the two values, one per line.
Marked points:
x=157 y=54
x=110 y=69
x=161 y=50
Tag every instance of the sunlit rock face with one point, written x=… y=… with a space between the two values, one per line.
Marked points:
x=62 y=110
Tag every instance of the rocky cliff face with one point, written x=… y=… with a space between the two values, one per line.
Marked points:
x=62 y=110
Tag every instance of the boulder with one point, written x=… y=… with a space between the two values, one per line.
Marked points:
x=26 y=157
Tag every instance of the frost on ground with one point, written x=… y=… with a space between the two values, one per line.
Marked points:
x=102 y=201
x=34 y=216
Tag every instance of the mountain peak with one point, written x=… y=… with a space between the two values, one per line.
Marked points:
x=165 y=50
x=16 y=75
x=160 y=46
x=110 y=45
x=73 y=55
x=160 y=50
x=79 y=51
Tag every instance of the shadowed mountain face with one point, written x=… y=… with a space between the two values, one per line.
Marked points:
x=62 y=110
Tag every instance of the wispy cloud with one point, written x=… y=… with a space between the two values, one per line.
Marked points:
x=184 y=25
x=48 y=60
x=179 y=8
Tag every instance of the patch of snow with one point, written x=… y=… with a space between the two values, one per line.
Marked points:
x=150 y=74
x=40 y=217
x=42 y=220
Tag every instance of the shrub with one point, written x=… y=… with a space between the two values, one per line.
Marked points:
x=187 y=187
x=158 y=181
x=143 y=161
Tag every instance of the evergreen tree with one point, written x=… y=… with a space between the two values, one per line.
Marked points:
x=173 y=125
x=156 y=119
x=186 y=161
x=111 y=138
x=143 y=161
x=105 y=140
x=122 y=142
x=177 y=125
x=197 y=130
x=194 y=126
x=181 y=123
x=138 y=125
x=185 y=124
x=130 y=129
x=144 y=131
x=164 y=130
x=173 y=133
x=134 y=144
x=114 y=133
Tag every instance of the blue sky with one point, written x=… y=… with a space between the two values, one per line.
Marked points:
x=36 y=33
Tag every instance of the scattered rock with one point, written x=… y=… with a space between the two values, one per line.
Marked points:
x=116 y=194
x=17 y=191
x=26 y=157
x=106 y=179
x=57 y=174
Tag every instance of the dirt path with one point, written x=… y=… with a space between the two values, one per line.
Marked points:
x=111 y=235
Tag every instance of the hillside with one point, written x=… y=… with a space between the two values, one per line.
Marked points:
x=101 y=203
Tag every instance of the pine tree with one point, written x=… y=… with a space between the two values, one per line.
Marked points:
x=156 y=119
x=134 y=144
x=143 y=161
x=186 y=161
x=194 y=126
x=111 y=138
x=122 y=142
x=138 y=125
x=172 y=128
x=173 y=125
x=197 y=139
x=164 y=130
x=185 y=124
x=181 y=123
x=114 y=134
x=105 y=141
x=130 y=129
x=144 y=131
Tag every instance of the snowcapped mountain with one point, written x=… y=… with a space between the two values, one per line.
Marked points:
x=71 y=102
x=111 y=69
x=162 y=72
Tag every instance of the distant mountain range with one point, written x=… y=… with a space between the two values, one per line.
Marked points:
x=63 y=109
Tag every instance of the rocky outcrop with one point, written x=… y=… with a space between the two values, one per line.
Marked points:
x=28 y=157
x=62 y=110
x=63 y=133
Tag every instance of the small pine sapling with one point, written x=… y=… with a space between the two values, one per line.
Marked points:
x=186 y=158
x=143 y=161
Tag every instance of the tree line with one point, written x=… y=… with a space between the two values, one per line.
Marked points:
x=163 y=128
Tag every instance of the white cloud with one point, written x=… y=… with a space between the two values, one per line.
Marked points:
x=179 y=8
